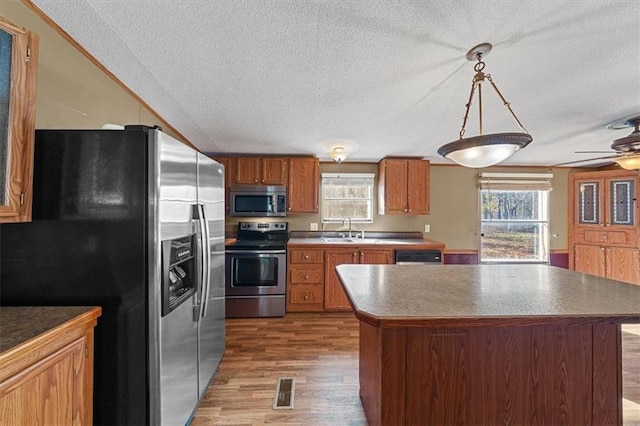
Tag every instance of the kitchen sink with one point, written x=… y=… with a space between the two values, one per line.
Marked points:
x=341 y=240
x=345 y=240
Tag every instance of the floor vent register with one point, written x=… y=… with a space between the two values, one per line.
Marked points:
x=284 y=393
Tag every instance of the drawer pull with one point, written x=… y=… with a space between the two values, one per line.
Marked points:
x=306 y=298
x=306 y=256
x=306 y=277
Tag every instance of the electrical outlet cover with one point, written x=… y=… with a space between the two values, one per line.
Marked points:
x=427 y=228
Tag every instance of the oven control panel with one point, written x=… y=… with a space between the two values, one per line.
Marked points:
x=263 y=226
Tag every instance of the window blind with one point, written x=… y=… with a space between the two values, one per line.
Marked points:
x=515 y=181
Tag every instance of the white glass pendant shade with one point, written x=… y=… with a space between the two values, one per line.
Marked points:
x=485 y=150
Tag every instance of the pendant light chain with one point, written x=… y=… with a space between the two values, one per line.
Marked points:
x=478 y=78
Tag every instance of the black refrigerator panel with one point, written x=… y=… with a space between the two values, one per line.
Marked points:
x=87 y=246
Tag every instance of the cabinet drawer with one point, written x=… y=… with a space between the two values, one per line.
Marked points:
x=608 y=237
x=305 y=256
x=306 y=293
x=307 y=275
x=305 y=298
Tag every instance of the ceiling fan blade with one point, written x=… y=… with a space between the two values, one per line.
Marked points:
x=592 y=152
x=585 y=160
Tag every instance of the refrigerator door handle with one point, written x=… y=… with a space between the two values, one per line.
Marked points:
x=206 y=257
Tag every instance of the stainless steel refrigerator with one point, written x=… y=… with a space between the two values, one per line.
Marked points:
x=131 y=220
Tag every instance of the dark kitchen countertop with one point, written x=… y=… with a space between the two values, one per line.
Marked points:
x=380 y=239
x=21 y=324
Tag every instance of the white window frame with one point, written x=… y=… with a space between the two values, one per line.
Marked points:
x=345 y=178
x=517 y=182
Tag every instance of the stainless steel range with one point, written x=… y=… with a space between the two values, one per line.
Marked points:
x=256 y=270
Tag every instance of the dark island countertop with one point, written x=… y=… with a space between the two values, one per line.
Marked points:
x=20 y=325
x=477 y=295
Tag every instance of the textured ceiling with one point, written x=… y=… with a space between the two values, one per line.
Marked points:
x=387 y=78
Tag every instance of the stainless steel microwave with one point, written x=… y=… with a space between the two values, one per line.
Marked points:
x=258 y=200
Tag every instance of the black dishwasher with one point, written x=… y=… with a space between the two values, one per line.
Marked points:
x=420 y=257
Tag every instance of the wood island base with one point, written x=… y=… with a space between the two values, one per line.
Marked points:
x=565 y=372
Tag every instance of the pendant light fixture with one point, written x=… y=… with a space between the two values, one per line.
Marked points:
x=484 y=150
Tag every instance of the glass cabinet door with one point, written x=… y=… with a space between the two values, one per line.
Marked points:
x=621 y=202
x=589 y=202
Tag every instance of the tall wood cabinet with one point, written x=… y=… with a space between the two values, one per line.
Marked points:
x=303 y=185
x=604 y=239
x=403 y=186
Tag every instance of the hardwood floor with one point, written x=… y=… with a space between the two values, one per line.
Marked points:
x=321 y=352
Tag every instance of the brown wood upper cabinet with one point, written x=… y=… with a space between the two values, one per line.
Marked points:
x=17 y=120
x=604 y=239
x=403 y=186
x=261 y=171
x=303 y=185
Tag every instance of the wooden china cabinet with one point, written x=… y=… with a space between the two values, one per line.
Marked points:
x=403 y=186
x=604 y=239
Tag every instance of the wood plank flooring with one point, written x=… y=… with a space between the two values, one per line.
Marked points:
x=321 y=352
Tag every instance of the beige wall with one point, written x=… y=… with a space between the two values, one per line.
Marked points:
x=75 y=93
x=454 y=206
x=72 y=91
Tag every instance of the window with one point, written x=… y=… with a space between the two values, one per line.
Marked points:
x=347 y=195
x=514 y=218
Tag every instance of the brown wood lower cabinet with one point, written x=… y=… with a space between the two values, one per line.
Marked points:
x=617 y=263
x=539 y=374
x=335 y=299
x=305 y=283
x=312 y=283
x=48 y=379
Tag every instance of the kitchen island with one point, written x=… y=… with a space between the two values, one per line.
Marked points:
x=489 y=344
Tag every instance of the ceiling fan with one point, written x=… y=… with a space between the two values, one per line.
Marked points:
x=627 y=149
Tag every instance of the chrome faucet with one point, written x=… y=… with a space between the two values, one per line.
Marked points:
x=349 y=219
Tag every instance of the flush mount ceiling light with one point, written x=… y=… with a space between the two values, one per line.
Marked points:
x=338 y=154
x=484 y=150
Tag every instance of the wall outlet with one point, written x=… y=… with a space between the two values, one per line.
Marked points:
x=427 y=228
x=313 y=226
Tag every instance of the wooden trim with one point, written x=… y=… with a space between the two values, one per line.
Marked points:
x=474 y=251
x=104 y=69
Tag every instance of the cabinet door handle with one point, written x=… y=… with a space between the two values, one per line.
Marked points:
x=355 y=254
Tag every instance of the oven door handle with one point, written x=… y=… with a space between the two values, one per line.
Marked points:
x=260 y=252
